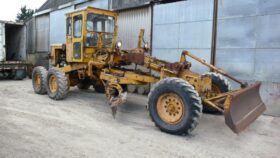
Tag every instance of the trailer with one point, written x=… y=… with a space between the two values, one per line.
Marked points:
x=13 y=62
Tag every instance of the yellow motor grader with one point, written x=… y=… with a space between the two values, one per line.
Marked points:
x=92 y=56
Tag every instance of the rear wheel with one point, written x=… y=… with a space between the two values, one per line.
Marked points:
x=220 y=84
x=175 y=106
x=39 y=76
x=57 y=84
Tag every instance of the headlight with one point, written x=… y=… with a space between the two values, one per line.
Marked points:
x=146 y=45
x=119 y=44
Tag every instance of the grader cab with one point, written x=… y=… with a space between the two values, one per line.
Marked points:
x=92 y=56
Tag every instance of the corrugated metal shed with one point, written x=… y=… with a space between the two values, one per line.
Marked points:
x=58 y=25
x=53 y=4
x=130 y=22
x=124 y=4
x=185 y=25
x=42 y=33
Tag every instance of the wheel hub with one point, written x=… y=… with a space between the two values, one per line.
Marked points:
x=170 y=108
x=38 y=81
x=53 y=84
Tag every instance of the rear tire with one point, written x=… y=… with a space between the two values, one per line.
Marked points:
x=20 y=75
x=39 y=77
x=178 y=99
x=222 y=84
x=57 y=84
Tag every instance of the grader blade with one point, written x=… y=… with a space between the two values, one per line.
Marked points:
x=243 y=107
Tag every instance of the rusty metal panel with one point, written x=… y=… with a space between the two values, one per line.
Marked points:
x=42 y=33
x=130 y=22
x=237 y=33
x=58 y=25
x=268 y=32
x=2 y=42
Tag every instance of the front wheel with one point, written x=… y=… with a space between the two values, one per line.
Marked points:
x=39 y=77
x=175 y=106
x=57 y=84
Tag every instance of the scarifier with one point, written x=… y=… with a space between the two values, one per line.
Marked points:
x=92 y=56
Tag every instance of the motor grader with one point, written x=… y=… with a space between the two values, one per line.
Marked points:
x=92 y=56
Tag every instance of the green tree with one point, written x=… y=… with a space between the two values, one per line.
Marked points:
x=24 y=14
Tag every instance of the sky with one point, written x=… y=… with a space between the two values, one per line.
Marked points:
x=10 y=8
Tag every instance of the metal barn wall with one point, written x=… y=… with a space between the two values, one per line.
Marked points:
x=30 y=36
x=185 y=25
x=42 y=33
x=103 y=4
x=58 y=25
x=130 y=22
x=248 y=45
x=122 y=4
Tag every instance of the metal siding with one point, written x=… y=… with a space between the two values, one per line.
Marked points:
x=196 y=10
x=267 y=63
x=103 y=4
x=166 y=36
x=2 y=42
x=268 y=34
x=130 y=22
x=58 y=25
x=237 y=8
x=185 y=25
x=237 y=33
x=42 y=33
x=246 y=30
x=121 y=4
x=195 y=35
x=237 y=62
x=249 y=45
x=167 y=13
x=269 y=7
x=30 y=36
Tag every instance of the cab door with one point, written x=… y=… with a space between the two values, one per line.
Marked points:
x=2 y=42
x=77 y=38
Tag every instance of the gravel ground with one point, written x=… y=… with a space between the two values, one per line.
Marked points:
x=34 y=126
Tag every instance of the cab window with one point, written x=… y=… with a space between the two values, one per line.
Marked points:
x=68 y=26
x=77 y=21
x=100 y=23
